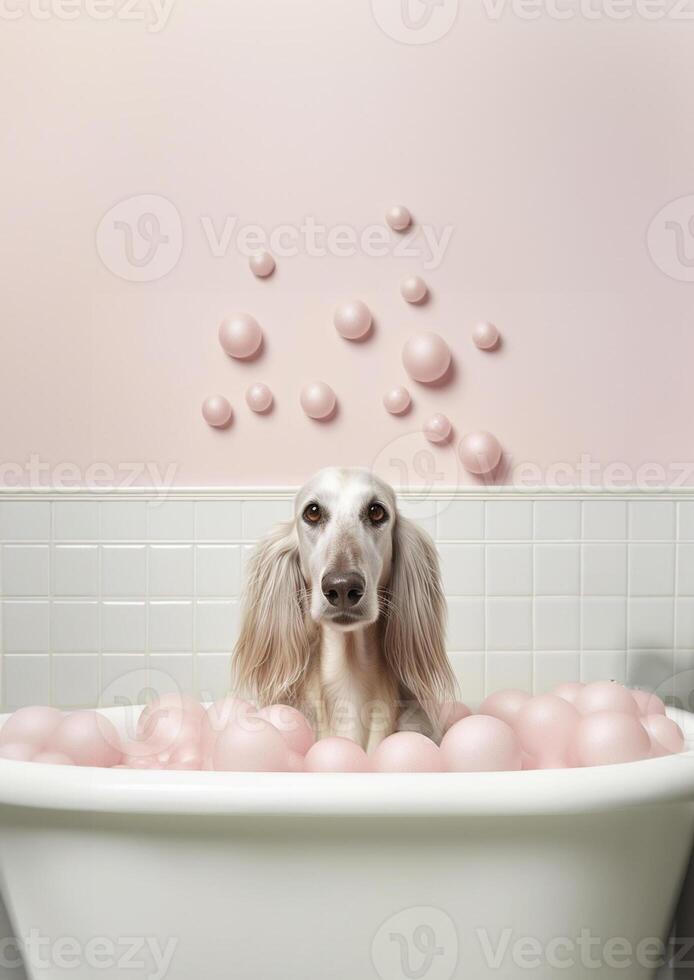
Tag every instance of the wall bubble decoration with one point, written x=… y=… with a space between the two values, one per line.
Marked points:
x=397 y=400
x=240 y=336
x=262 y=264
x=426 y=357
x=414 y=289
x=318 y=400
x=216 y=411
x=480 y=452
x=259 y=397
x=438 y=428
x=398 y=217
x=485 y=335
x=353 y=320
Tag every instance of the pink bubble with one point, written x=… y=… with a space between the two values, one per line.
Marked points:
x=169 y=729
x=505 y=705
x=291 y=724
x=438 y=428
x=53 y=759
x=407 y=752
x=32 y=726
x=605 y=696
x=17 y=751
x=648 y=704
x=413 y=289
x=480 y=452
x=569 y=690
x=398 y=217
x=318 y=400
x=426 y=357
x=226 y=711
x=168 y=702
x=481 y=743
x=186 y=756
x=259 y=397
x=397 y=400
x=140 y=755
x=262 y=264
x=528 y=763
x=449 y=713
x=666 y=736
x=485 y=336
x=296 y=762
x=260 y=750
x=216 y=411
x=88 y=738
x=609 y=737
x=353 y=320
x=335 y=754
x=545 y=726
x=241 y=336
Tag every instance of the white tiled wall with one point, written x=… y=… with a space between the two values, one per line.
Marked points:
x=102 y=596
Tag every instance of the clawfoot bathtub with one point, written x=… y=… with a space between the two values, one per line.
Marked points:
x=223 y=876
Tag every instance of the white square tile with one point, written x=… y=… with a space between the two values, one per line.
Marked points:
x=604 y=666
x=604 y=520
x=421 y=513
x=469 y=670
x=171 y=570
x=171 y=626
x=652 y=520
x=218 y=570
x=603 y=624
x=684 y=637
x=123 y=627
x=218 y=520
x=509 y=520
x=27 y=680
x=505 y=670
x=25 y=627
x=171 y=673
x=123 y=520
x=557 y=520
x=651 y=670
x=260 y=516
x=605 y=569
x=25 y=520
x=75 y=520
x=509 y=624
x=124 y=681
x=216 y=625
x=465 y=624
x=557 y=624
x=555 y=667
x=462 y=567
x=509 y=569
x=213 y=675
x=651 y=569
x=651 y=624
x=25 y=570
x=461 y=520
x=75 y=627
x=75 y=681
x=124 y=570
x=686 y=520
x=557 y=569
x=685 y=569
x=171 y=520
x=76 y=570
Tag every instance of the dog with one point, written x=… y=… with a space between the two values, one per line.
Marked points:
x=344 y=615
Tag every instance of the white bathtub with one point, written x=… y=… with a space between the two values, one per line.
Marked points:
x=345 y=877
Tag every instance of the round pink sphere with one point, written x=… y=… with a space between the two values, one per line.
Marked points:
x=481 y=743
x=480 y=452
x=17 y=751
x=545 y=726
x=53 y=759
x=397 y=400
x=216 y=411
x=240 y=336
x=605 y=696
x=352 y=320
x=336 y=755
x=262 y=264
x=171 y=701
x=291 y=724
x=259 y=397
x=569 y=690
x=186 y=757
x=666 y=736
x=413 y=289
x=426 y=357
x=220 y=714
x=89 y=739
x=608 y=738
x=407 y=752
x=169 y=729
x=438 y=428
x=647 y=703
x=449 y=713
x=31 y=726
x=318 y=400
x=262 y=749
x=485 y=336
x=505 y=705
x=398 y=217
x=296 y=762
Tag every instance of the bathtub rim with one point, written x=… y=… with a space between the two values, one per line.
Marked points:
x=531 y=793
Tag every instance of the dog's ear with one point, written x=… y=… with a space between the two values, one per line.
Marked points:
x=273 y=649
x=415 y=629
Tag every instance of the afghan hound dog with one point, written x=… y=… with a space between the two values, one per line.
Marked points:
x=344 y=615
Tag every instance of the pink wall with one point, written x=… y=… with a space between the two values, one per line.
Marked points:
x=546 y=145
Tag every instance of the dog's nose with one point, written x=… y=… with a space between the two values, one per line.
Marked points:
x=343 y=589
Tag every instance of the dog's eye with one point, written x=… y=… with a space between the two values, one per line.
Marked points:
x=312 y=514
x=377 y=514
